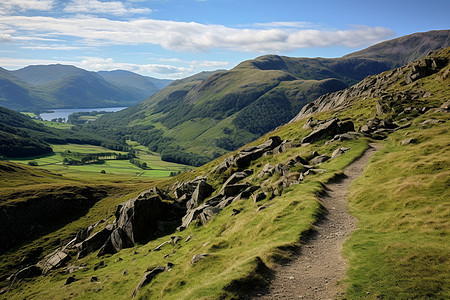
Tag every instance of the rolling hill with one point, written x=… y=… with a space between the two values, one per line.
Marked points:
x=256 y=208
x=206 y=116
x=63 y=86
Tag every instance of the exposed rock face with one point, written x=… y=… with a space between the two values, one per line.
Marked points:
x=377 y=129
x=375 y=87
x=328 y=128
x=53 y=260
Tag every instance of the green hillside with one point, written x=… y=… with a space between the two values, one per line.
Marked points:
x=401 y=247
x=21 y=136
x=197 y=119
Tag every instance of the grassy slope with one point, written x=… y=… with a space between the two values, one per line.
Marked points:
x=400 y=249
x=234 y=242
x=402 y=201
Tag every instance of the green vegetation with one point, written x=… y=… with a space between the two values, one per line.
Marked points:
x=250 y=100
x=75 y=161
x=401 y=249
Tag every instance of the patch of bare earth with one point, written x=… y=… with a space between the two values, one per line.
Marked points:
x=315 y=273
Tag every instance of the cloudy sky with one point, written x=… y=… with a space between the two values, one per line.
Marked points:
x=178 y=38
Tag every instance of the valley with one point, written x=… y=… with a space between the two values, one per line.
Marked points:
x=216 y=184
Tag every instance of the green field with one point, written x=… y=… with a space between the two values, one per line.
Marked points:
x=54 y=162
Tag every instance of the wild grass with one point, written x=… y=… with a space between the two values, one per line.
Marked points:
x=236 y=245
x=402 y=201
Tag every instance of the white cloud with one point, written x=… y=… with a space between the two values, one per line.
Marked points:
x=108 y=64
x=105 y=7
x=8 y=5
x=192 y=36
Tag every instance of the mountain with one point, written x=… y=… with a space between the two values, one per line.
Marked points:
x=222 y=230
x=63 y=86
x=206 y=117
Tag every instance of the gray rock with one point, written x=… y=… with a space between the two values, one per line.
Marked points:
x=94 y=242
x=208 y=213
x=267 y=170
x=70 y=280
x=197 y=257
x=408 y=141
x=339 y=151
x=147 y=278
x=258 y=196
x=159 y=247
x=329 y=128
x=202 y=191
x=319 y=159
x=53 y=260
x=234 y=189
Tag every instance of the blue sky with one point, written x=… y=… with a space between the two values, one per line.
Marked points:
x=178 y=38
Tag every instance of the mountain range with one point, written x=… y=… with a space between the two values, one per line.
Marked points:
x=209 y=114
x=41 y=87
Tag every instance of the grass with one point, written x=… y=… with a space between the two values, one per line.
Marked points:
x=236 y=244
x=402 y=202
x=116 y=170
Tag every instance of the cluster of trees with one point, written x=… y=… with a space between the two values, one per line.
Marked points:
x=140 y=164
x=181 y=157
x=76 y=158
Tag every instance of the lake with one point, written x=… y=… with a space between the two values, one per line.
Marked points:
x=65 y=112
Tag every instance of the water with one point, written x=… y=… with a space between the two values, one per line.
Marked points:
x=65 y=112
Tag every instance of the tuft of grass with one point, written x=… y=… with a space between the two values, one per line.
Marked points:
x=402 y=201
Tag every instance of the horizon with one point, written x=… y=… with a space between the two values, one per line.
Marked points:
x=176 y=39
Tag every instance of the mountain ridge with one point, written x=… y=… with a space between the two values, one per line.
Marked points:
x=228 y=109
x=40 y=87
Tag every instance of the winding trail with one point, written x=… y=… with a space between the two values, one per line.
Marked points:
x=315 y=273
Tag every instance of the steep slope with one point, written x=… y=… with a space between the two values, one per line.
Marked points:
x=228 y=109
x=256 y=207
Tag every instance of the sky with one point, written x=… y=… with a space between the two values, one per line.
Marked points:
x=177 y=38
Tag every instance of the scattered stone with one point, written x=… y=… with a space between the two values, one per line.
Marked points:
x=148 y=277
x=94 y=279
x=319 y=159
x=162 y=245
x=197 y=257
x=189 y=238
x=339 y=151
x=124 y=272
x=175 y=239
x=328 y=128
x=408 y=141
x=169 y=266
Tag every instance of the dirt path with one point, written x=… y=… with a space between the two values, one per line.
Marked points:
x=314 y=274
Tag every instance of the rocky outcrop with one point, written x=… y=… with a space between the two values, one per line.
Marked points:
x=147 y=278
x=377 y=128
x=328 y=128
x=376 y=86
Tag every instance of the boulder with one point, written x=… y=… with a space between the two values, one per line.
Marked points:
x=267 y=170
x=259 y=196
x=234 y=189
x=53 y=260
x=408 y=141
x=94 y=242
x=339 y=151
x=208 y=213
x=201 y=192
x=197 y=257
x=250 y=154
x=328 y=128
x=235 y=177
x=147 y=278
x=319 y=159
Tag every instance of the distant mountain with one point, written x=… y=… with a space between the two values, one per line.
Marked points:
x=133 y=82
x=63 y=86
x=210 y=114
